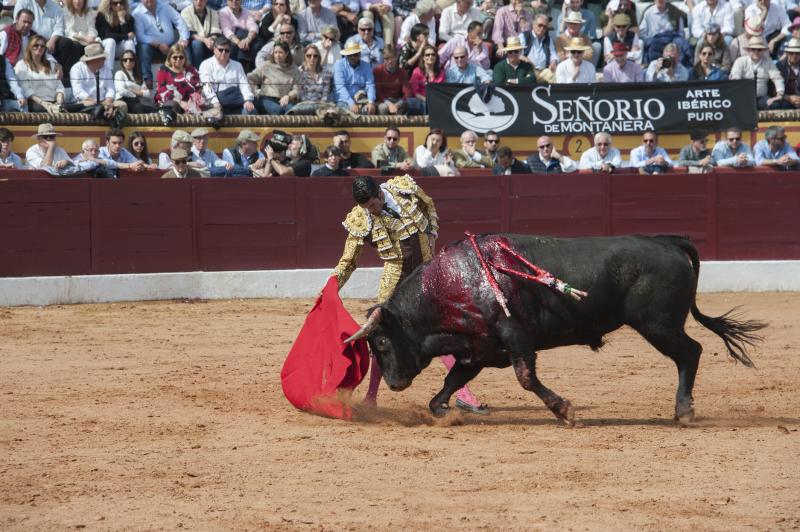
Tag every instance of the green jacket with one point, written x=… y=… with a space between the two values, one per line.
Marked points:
x=503 y=72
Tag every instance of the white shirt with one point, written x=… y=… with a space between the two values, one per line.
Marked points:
x=424 y=158
x=123 y=86
x=14 y=159
x=35 y=156
x=84 y=85
x=635 y=54
x=777 y=19
x=591 y=159
x=44 y=86
x=80 y=25
x=744 y=68
x=702 y=15
x=566 y=69
x=216 y=78
x=405 y=30
x=452 y=24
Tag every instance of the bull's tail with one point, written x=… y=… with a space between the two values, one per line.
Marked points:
x=737 y=334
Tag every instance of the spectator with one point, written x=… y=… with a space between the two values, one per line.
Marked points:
x=776 y=22
x=574 y=69
x=668 y=68
x=717 y=12
x=129 y=85
x=696 y=156
x=328 y=47
x=180 y=139
x=178 y=87
x=602 y=157
x=411 y=52
x=80 y=26
x=287 y=156
x=424 y=14
x=755 y=65
x=477 y=51
x=434 y=152
x=456 y=18
x=789 y=69
x=430 y=71
x=575 y=8
x=512 y=71
x=462 y=71
x=9 y=159
x=354 y=82
x=156 y=25
x=12 y=97
x=662 y=23
x=624 y=34
x=705 y=70
x=137 y=146
x=203 y=25
x=91 y=75
x=87 y=161
x=619 y=7
x=547 y=160
x=491 y=142
x=48 y=21
x=753 y=27
x=333 y=157
x=179 y=165
x=390 y=154
x=650 y=158
x=257 y=8
x=312 y=20
x=239 y=27
x=347 y=12
x=622 y=69
x=225 y=84
x=341 y=139
x=315 y=83
x=288 y=35
x=379 y=9
x=15 y=38
x=277 y=82
x=542 y=53
x=468 y=156
x=115 y=27
x=244 y=155
x=732 y=151
x=721 y=57
x=510 y=21
x=46 y=154
x=117 y=156
x=507 y=164
x=201 y=153
x=772 y=151
x=281 y=13
x=794 y=33
x=572 y=37
x=371 y=47
x=392 y=88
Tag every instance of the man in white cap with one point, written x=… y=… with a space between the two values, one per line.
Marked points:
x=572 y=31
x=512 y=70
x=790 y=72
x=92 y=81
x=46 y=154
x=179 y=167
x=574 y=69
x=351 y=76
x=244 y=154
x=757 y=65
x=201 y=153
x=776 y=22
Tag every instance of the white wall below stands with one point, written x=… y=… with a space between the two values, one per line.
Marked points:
x=728 y=276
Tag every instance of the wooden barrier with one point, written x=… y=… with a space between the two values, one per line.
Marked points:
x=82 y=226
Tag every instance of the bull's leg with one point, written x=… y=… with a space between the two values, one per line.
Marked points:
x=525 y=369
x=457 y=378
x=685 y=351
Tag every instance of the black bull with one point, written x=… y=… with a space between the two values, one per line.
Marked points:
x=448 y=307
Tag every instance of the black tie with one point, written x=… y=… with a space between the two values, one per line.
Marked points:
x=393 y=213
x=97 y=84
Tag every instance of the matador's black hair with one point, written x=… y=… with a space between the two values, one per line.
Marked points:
x=364 y=188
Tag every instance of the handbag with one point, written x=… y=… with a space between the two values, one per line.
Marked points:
x=231 y=97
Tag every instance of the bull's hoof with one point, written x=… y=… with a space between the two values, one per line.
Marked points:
x=684 y=412
x=440 y=410
x=565 y=413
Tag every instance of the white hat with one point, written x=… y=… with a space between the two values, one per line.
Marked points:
x=93 y=51
x=574 y=17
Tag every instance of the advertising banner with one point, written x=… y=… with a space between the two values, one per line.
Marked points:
x=617 y=108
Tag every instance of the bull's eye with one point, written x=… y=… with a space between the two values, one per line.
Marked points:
x=380 y=343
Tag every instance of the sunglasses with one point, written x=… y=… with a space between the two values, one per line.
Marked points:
x=287 y=33
x=224 y=50
x=179 y=161
x=392 y=138
x=312 y=55
x=53 y=137
x=514 y=52
x=137 y=143
x=364 y=29
x=430 y=55
x=126 y=59
x=179 y=57
x=649 y=141
x=734 y=139
x=459 y=57
x=602 y=143
x=491 y=141
x=780 y=138
x=37 y=46
x=543 y=146
x=576 y=52
x=541 y=25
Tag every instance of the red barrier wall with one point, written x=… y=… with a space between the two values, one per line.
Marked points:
x=82 y=226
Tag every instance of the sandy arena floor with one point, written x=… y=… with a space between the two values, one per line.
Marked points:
x=170 y=415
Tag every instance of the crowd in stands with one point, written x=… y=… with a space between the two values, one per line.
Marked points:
x=286 y=155
x=215 y=57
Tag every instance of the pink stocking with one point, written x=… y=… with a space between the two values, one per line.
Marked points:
x=464 y=393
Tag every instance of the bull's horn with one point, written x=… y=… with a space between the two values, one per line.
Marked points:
x=372 y=322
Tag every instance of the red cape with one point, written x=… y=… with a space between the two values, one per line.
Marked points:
x=319 y=363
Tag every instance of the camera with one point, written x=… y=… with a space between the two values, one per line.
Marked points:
x=280 y=140
x=666 y=62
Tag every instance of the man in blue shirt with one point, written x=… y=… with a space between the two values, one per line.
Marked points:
x=354 y=82
x=116 y=155
x=156 y=23
x=775 y=151
x=731 y=151
x=650 y=158
x=462 y=71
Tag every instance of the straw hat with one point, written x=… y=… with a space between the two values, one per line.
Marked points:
x=754 y=25
x=351 y=49
x=93 y=51
x=576 y=43
x=247 y=136
x=793 y=45
x=756 y=43
x=621 y=19
x=181 y=136
x=574 y=17
x=513 y=43
x=45 y=130
x=178 y=153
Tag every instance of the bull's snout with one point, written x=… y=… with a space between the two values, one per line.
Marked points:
x=398 y=385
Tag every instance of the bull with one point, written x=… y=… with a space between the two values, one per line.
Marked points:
x=448 y=306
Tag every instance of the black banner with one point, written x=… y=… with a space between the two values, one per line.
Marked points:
x=617 y=108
